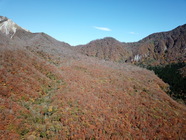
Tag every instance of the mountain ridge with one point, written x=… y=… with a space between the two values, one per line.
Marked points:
x=156 y=49
x=162 y=47
x=103 y=48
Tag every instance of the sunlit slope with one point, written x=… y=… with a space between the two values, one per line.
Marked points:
x=82 y=98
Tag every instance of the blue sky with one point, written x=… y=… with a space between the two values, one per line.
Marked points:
x=80 y=21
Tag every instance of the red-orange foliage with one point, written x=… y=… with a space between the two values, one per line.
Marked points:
x=85 y=99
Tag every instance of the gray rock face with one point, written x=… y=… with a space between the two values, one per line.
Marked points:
x=8 y=27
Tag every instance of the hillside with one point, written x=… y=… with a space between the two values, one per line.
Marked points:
x=156 y=49
x=163 y=48
x=107 y=49
x=49 y=91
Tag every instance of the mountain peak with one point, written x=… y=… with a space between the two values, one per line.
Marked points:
x=2 y=19
x=8 y=27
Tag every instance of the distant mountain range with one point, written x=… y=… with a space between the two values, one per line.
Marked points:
x=51 y=90
x=156 y=49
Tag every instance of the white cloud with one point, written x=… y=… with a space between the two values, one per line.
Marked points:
x=102 y=28
x=133 y=33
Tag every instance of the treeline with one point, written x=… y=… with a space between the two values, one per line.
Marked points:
x=171 y=74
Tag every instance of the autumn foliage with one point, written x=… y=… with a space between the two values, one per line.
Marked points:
x=83 y=99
